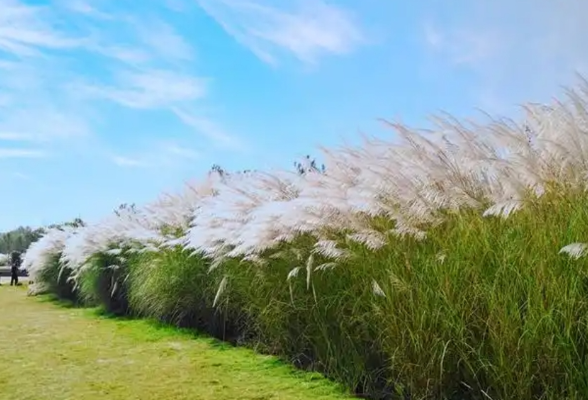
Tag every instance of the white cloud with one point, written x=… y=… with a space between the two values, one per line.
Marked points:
x=123 y=161
x=124 y=54
x=11 y=177
x=462 y=46
x=16 y=137
x=35 y=106
x=164 y=41
x=47 y=95
x=176 y=5
x=44 y=124
x=21 y=153
x=307 y=30
x=160 y=154
x=22 y=176
x=207 y=127
x=517 y=51
x=83 y=7
x=25 y=30
x=150 y=89
x=182 y=152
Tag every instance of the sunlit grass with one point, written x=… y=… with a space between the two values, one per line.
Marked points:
x=53 y=352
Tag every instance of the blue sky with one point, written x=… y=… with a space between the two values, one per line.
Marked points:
x=111 y=101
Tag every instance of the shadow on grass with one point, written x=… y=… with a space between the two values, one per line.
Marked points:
x=163 y=328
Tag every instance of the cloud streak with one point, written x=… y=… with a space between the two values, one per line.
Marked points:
x=160 y=154
x=49 y=96
x=22 y=153
x=164 y=41
x=207 y=127
x=16 y=137
x=25 y=30
x=512 y=60
x=462 y=46
x=123 y=161
x=149 y=89
x=307 y=30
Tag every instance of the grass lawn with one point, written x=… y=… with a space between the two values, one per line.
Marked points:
x=56 y=353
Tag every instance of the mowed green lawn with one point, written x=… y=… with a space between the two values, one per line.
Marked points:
x=56 y=353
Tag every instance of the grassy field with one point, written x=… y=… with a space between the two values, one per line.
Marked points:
x=56 y=353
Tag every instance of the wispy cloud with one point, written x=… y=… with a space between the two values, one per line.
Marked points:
x=513 y=59
x=306 y=30
x=208 y=128
x=160 y=154
x=11 y=177
x=182 y=152
x=43 y=124
x=22 y=153
x=16 y=137
x=125 y=54
x=163 y=40
x=36 y=107
x=49 y=96
x=22 y=176
x=25 y=30
x=84 y=7
x=462 y=46
x=177 y=5
x=149 y=89
x=123 y=161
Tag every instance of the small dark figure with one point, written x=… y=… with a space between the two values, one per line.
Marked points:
x=14 y=264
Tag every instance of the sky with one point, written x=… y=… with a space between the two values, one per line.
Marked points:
x=106 y=102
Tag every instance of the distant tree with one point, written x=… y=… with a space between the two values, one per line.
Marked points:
x=75 y=223
x=303 y=166
x=217 y=169
x=19 y=239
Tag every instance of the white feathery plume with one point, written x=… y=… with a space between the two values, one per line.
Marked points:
x=409 y=180
x=575 y=250
x=41 y=254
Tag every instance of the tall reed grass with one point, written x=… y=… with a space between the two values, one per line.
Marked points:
x=448 y=266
